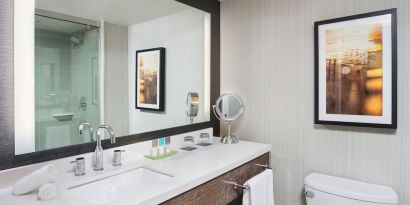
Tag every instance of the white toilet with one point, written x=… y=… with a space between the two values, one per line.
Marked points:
x=329 y=190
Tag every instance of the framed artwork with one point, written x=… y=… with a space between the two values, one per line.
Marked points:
x=356 y=70
x=150 y=79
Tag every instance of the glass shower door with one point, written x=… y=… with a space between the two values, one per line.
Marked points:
x=66 y=81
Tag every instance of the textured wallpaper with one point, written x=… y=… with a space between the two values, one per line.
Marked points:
x=267 y=57
x=6 y=79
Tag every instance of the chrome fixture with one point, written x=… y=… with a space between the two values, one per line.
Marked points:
x=79 y=169
x=309 y=194
x=228 y=108
x=192 y=105
x=83 y=104
x=266 y=166
x=109 y=130
x=246 y=187
x=117 y=159
x=86 y=125
x=236 y=185
x=99 y=157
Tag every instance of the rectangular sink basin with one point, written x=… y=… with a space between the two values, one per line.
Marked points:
x=119 y=186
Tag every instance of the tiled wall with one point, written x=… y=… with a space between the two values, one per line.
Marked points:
x=267 y=57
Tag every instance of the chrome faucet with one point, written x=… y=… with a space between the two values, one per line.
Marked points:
x=86 y=125
x=99 y=158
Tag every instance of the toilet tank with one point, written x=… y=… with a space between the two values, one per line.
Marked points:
x=322 y=189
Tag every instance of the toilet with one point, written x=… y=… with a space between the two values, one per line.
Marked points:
x=322 y=189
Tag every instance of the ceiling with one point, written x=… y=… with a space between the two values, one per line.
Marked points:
x=121 y=12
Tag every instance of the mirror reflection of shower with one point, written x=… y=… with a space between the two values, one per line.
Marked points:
x=66 y=79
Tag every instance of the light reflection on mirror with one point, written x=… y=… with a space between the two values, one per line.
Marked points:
x=75 y=62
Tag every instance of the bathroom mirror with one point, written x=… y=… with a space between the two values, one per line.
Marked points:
x=228 y=108
x=192 y=105
x=76 y=62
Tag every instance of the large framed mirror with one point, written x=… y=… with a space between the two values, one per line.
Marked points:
x=94 y=61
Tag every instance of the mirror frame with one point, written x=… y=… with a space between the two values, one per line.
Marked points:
x=8 y=159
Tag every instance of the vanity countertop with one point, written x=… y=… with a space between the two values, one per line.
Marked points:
x=189 y=169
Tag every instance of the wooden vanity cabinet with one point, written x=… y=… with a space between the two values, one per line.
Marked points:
x=216 y=192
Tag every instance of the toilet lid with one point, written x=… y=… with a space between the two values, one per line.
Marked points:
x=352 y=189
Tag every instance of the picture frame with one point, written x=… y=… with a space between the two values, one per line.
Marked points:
x=356 y=70
x=150 y=79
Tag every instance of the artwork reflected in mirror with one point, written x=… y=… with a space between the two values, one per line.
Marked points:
x=150 y=79
x=356 y=69
x=84 y=69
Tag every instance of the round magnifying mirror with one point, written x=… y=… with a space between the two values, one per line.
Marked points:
x=228 y=108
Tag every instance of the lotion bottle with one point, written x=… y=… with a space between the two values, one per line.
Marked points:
x=154 y=148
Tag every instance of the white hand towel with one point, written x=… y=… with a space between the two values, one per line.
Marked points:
x=34 y=180
x=260 y=190
x=47 y=191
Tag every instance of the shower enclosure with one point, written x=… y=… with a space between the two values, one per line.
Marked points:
x=66 y=81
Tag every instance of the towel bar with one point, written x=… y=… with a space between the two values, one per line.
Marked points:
x=265 y=166
x=236 y=185
x=245 y=187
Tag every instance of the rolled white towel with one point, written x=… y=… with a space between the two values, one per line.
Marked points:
x=34 y=180
x=47 y=191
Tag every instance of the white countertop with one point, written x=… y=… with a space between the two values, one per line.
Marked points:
x=189 y=169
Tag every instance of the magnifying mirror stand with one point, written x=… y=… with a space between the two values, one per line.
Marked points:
x=229 y=116
x=229 y=138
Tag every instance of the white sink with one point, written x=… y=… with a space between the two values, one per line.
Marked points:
x=114 y=188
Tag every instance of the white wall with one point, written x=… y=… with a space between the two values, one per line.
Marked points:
x=116 y=91
x=23 y=76
x=268 y=58
x=182 y=34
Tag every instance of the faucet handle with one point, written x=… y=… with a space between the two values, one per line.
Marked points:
x=79 y=169
x=117 y=159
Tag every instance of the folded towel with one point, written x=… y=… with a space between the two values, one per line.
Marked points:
x=260 y=190
x=34 y=180
x=47 y=191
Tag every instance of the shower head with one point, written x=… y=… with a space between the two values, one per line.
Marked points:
x=75 y=40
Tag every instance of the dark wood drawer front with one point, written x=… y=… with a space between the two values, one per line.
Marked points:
x=215 y=192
